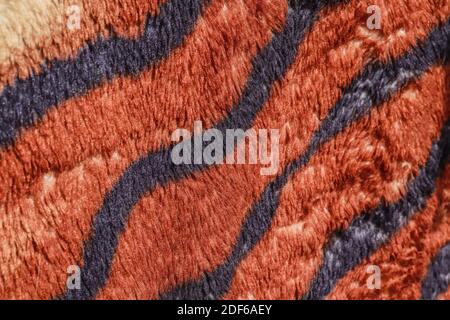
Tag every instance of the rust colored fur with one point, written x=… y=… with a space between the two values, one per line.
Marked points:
x=64 y=155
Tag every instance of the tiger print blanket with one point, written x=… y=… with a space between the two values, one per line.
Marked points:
x=224 y=149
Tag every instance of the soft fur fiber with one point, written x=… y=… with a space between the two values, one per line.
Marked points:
x=86 y=178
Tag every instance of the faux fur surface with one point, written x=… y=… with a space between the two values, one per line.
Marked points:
x=91 y=93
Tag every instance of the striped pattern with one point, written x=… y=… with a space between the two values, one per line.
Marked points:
x=87 y=178
x=370 y=230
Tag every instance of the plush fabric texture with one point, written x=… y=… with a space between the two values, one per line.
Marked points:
x=86 y=177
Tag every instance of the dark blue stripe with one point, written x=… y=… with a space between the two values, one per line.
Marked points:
x=157 y=168
x=368 y=232
x=376 y=84
x=28 y=100
x=437 y=279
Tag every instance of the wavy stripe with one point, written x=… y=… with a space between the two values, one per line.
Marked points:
x=375 y=85
x=28 y=100
x=110 y=129
x=437 y=279
x=405 y=258
x=157 y=168
x=374 y=228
